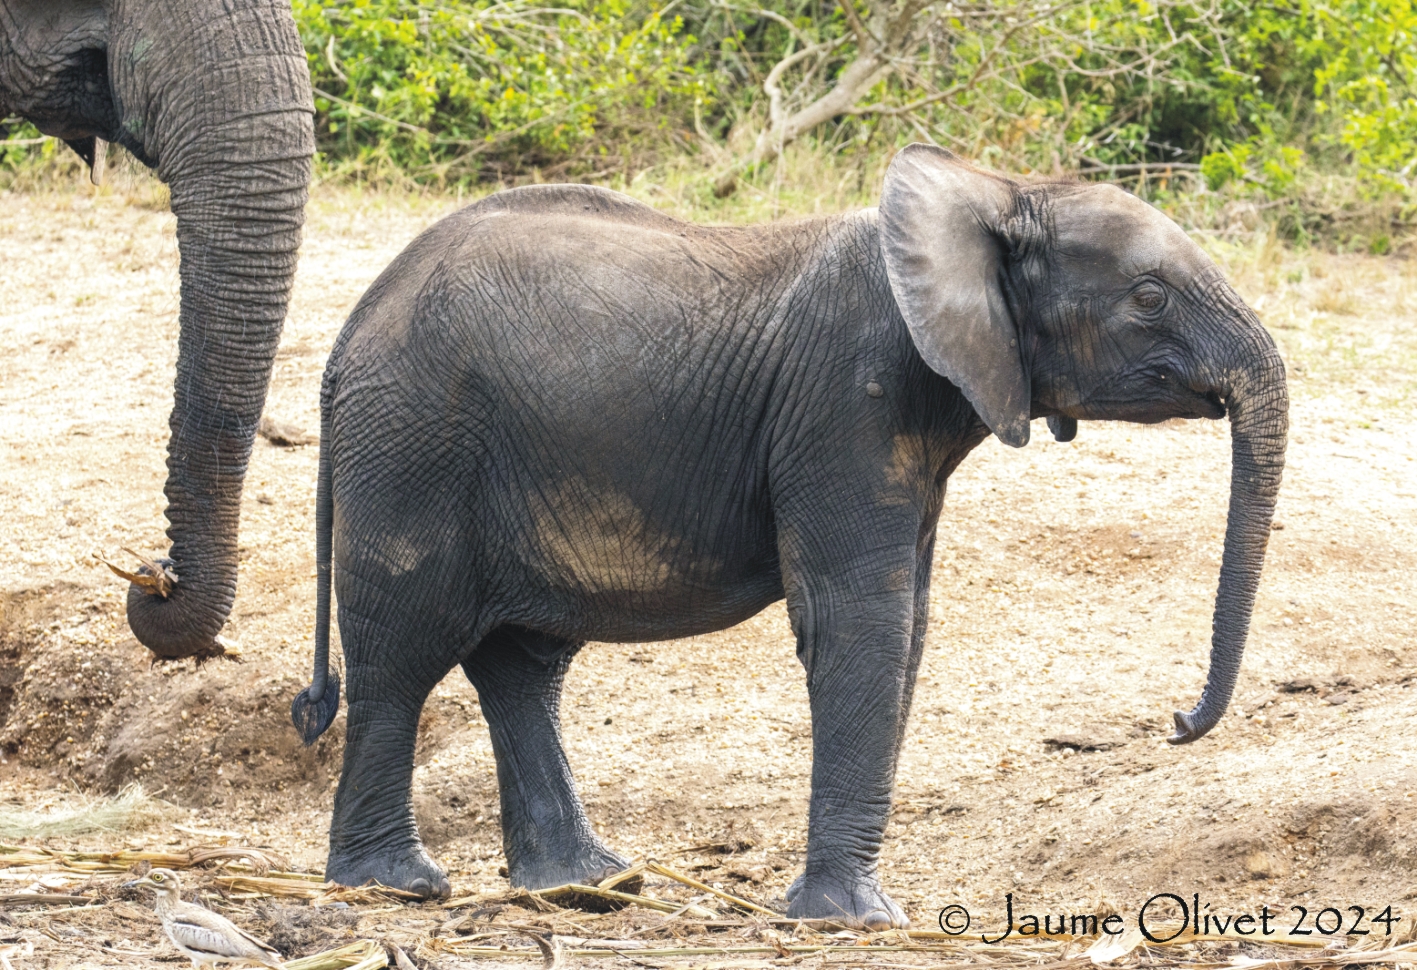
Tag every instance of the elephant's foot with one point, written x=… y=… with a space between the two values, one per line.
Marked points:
x=587 y=863
x=405 y=867
x=855 y=901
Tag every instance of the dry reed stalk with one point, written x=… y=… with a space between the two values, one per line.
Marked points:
x=318 y=892
x=668 y=873
x=572 y=890
x=45 y=899
x=260 y=860
x=623 y=876
x=637 y=948
x=363 y=955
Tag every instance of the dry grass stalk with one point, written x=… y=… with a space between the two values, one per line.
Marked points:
x=101 y=863
x=677 y=876
x=363 y=955
x=45 y=899
x=571 y=893
x=401 y=959
x=319 y=893
x=624 y=876
x=130 y=808
x=638 y=949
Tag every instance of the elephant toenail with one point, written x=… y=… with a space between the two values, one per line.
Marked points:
x=421 y=887
x=795 y=888
x=876 y=920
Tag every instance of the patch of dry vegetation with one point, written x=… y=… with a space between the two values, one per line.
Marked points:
x=131 y=809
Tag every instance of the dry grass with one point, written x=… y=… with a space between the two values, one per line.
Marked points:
x=498 y=928
x=129 y=810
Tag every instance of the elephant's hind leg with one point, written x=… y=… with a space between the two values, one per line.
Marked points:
x=548 y=840
x=373 y=834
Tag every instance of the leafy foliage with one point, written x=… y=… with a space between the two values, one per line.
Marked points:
x=1254 y=99
x=443 y=87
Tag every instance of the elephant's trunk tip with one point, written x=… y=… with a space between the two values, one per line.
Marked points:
x=1188 y=730
x=314 y=708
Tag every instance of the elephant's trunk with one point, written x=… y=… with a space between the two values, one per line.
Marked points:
x=236 y=153
x=1257 y=399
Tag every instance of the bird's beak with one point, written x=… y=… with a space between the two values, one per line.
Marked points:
x=136 y=882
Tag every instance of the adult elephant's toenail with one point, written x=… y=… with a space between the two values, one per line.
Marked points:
x=795 y=888
x=421 y=887
x=876 y=920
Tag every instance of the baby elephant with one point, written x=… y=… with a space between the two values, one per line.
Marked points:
x=560 y=416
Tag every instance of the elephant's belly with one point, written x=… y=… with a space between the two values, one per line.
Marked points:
x=619 y=620
x=610 y=574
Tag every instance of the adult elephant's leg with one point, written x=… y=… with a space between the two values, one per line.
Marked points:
x=373 y=834
x=546 y=835
x=857 y=637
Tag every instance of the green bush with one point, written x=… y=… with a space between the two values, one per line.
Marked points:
x=461 y=88
x=1271 y=100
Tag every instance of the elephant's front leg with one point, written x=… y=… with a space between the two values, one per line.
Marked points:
x=859 y=643
x=545 y=832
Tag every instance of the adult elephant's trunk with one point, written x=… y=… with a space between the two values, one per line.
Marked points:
x=235 y=148
x=1257 y=399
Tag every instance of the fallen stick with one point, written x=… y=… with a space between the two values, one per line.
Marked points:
x=626 y=899
x=47 y=899
x=683 y=951
x=22 y=857
x=318 y=891
x=693 y=883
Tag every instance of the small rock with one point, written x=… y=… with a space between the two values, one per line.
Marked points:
x=1260 y=865
x=1340 y=698
x=1077 y=743
x=1299 y=685
x=284 y=435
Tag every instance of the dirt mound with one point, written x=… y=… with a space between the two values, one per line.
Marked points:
x=86 y=699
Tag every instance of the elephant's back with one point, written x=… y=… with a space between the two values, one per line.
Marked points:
x=577 y=201
x=552 y=251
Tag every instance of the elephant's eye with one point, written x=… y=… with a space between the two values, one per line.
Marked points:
x=1149 y=296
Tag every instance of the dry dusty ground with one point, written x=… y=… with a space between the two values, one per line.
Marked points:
x=1072 y=597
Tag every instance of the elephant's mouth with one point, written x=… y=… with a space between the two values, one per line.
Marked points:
x=1149 y=398
x=1209 y=404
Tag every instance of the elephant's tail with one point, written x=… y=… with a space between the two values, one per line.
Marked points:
x=315 y=707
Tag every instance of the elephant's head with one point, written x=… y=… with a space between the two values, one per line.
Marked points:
x=215 y=96
x=1083 y=302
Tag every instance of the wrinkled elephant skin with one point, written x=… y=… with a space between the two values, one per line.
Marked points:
x=560 y=416
x=214 y=95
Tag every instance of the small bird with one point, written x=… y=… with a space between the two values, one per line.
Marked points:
x=205 y=937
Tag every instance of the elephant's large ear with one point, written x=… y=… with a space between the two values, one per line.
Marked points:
x=941 y=227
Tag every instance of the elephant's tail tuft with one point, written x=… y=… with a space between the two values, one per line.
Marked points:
x=315 y=707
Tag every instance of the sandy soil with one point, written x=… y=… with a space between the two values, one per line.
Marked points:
x=1071 y=601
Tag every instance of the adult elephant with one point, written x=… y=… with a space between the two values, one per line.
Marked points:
x=561 y=416
x=214 y=95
